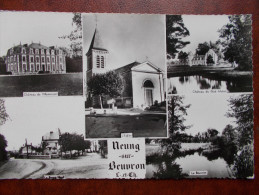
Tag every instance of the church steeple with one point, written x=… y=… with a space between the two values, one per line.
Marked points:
x=96 y=56
x=96 y=42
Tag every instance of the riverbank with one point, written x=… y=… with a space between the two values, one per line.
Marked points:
x=223 y=73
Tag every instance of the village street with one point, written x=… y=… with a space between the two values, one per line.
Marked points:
x=89 y=166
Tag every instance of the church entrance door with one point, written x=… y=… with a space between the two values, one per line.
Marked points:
x=149 y=97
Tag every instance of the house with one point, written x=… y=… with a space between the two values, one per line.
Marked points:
x=202 y=59
x=50 y=143
x=30 y=59
x=144 y=83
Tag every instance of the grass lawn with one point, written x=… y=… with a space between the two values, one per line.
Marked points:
x=64 y=84
x=142 y=125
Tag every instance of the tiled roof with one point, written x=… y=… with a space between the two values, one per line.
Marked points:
x=37 y=46
x=96 y=42
x=127 y=68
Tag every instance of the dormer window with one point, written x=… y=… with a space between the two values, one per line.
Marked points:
x=47 y=51
x=37 y=51
x=42 y=51
x=23 y=50
x=52 y=52
x=31 y=51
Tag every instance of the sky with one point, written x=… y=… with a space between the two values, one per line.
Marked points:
x=207 y=111
x=27 y=27
x=33 y=117
x=127 y=37
x=202 y=28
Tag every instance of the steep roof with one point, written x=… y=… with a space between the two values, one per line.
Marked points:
x=96 y=42
x=37 y=46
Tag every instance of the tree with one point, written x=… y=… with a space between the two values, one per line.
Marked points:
x=210 y=60
x=3 y=115
x=75 y=36
x=182 y=55
x=229 y=134
x=212 y=132
x=203 y=48
x=175 y=31
x=241 y=108
x=176 y=112
x=108 y=84
x=3 y=145
x=237 y=41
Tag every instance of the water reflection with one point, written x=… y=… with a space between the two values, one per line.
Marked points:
x=189 y=84
x=214 y=162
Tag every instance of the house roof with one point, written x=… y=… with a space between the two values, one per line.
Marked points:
x=17 y=48
x=51 y=136
x=96 y=42
x=37 y=46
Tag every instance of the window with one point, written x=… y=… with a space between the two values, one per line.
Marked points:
x=53 y=59
x=23 y=50
x=98 y=62
x=60 y=59
x=11 y=58
x=42 y=59
x=102 y=62
x=31 y=51
x=37 y=51
x=42 y=51
x=14 y=59
x=48 y=59
x=24 y=59
x=37 y=59
x=31 y=59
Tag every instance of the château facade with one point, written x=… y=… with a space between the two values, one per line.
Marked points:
x=30 y=59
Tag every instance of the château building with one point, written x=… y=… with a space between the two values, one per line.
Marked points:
x=30 y=59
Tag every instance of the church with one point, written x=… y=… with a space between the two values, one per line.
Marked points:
x=144 y=82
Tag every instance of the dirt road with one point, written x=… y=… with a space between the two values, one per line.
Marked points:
x=90 y=166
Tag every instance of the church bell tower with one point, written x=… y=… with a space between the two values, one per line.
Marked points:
x=96 y=56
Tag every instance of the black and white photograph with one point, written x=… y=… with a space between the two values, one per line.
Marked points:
x=125 y=68
x=40 y=52
x=43 y=138
x=209 y=53
x=210 y=136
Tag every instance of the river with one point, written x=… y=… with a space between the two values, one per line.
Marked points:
x=212 y=164
x=191 y=84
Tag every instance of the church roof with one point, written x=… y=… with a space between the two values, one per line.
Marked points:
x=96 y=42
x=127 y=68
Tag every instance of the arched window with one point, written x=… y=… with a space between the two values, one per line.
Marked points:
x=98 y=61
x=148 y=84
x=102 y=62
